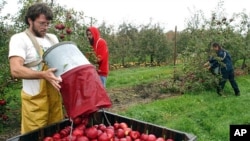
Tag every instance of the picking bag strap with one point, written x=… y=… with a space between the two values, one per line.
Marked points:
x=34 y=41
x=34 y=63
x=38 y=49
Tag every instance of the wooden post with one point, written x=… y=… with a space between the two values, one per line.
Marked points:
x=174 y=75
x=175 y=45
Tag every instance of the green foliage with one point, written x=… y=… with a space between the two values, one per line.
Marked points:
x=194 y=45
x=205 y=115
x=10 y=112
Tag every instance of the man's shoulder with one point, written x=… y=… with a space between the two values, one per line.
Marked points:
x=52 y=37
x=102 y=41
x=21 y=36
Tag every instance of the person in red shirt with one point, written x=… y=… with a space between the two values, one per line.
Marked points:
x=100 y=48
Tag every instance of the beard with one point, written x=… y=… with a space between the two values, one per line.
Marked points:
x=38 y=33
x=91 y=41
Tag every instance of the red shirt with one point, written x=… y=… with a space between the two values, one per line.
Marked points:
x=101 y=50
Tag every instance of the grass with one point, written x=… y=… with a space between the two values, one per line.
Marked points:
x=205 y=115
x=134 y=76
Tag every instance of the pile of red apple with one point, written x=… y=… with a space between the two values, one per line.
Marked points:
x=119 y=131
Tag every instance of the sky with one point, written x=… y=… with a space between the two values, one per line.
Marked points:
x=168 y=13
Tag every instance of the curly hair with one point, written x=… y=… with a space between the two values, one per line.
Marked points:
x=36 y=10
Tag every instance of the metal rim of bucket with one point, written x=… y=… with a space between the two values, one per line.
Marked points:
x=56 y=45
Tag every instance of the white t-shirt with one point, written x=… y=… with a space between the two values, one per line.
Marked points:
x=21 y=45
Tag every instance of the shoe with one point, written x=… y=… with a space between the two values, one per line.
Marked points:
x=221 y=95
x=237 y=94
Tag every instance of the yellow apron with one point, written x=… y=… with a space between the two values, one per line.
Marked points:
x=42 y=109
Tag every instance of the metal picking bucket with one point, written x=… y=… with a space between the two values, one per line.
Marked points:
x=64 y=56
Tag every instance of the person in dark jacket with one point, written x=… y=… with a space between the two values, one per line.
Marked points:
x=225 y=66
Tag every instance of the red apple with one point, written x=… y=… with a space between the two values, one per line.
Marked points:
x=151 y=137
x=81 y=126
x=128 y=138
x=77 y=120
x=60 y=26
x=144 y=136
x=56 y=136
x=91 y=132
x=127 y=131
x=110 y=127
x=120 y=133
x=63 y=133
x=5 y=117
x=170 y=139
x=82 y=138
x=116 y=125
x=71 y=138
x=134 y=135
x=104 y=137
x=2 y=102
x=123 y=125
x=48 y=139
x=68 y=31
x=123 y=139
x=62 y=36
x=102 y=127
x=99 y=132
x=85 y=120
x=77 y=132
x=110 y=131
x=160 y=139
x=116 y=139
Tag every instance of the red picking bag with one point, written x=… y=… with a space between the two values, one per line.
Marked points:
x=83 y=92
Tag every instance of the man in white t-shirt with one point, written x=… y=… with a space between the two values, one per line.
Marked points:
x=41 y=100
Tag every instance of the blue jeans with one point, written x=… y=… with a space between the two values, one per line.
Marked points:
x=103 y=79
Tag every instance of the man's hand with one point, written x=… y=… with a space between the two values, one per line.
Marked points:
x=206 y=64
x=50 y=76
